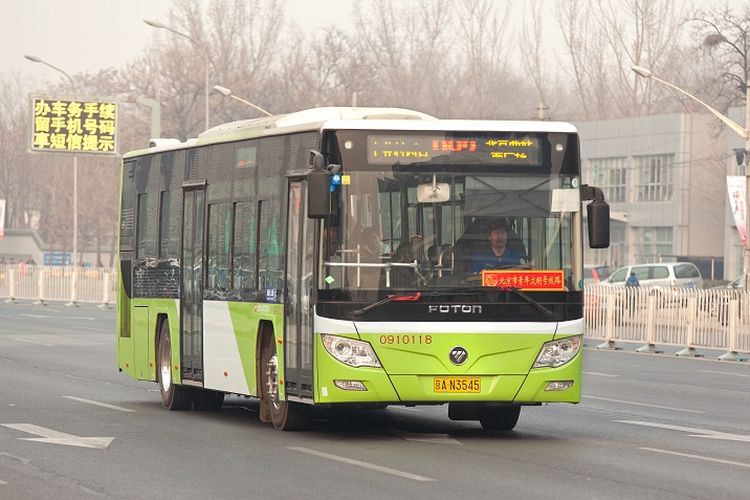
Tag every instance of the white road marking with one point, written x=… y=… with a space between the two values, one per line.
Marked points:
x=33 y=342
x=35 y=316
x=697 y=457
x=55 y=437
x=693 y=431
x=358 y=463
x=2 y=482
x=600 y=374
x=642 y=404
x=726 y=373
x=98 y=403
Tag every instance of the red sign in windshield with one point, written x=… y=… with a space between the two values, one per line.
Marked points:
x=542 y=281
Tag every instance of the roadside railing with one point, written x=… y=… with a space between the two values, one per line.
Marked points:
x=717 y=319
x=72 y=284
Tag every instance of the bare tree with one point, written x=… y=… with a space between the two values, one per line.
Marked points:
x=602 y=39
x=724 y=34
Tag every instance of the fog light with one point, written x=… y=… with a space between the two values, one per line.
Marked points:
x=350 y=385
x=559 y=385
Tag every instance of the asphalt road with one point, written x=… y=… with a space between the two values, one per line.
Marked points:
x=650 y=426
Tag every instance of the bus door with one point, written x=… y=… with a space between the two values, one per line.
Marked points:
x=191 y=303
x=298 y=336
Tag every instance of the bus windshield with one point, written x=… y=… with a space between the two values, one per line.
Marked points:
x=405 y=230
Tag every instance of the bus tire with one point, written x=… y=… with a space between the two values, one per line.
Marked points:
x=499 y=418
x=208 y=400
x=173 y=396
x=285 y=415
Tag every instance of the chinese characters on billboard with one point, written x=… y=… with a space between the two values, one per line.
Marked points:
x=73 y=126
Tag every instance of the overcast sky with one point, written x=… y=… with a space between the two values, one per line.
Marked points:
x=87 y=35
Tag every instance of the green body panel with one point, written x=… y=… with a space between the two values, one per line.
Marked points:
x=136 y=354
x=502 y=361
x=489 y=354
x=533 y=389
x=246 y=318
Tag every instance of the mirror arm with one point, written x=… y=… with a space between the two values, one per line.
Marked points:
x=589 y=193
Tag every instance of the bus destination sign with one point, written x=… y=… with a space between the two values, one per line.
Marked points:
x=73 y=126
x=487 y=148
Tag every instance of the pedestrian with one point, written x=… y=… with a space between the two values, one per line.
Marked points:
x=631 y=292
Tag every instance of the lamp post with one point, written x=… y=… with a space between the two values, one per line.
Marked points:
x=743 y=132
x=206 y=58
x=228 y=93
x=74 y=257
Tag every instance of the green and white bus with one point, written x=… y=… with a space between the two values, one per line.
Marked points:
x=329 y=257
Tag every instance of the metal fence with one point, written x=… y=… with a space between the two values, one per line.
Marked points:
x=691 y=318
x=71 y=284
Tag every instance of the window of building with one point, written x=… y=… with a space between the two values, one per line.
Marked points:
x=652 y=243
x=654 y=178
x=610 y=174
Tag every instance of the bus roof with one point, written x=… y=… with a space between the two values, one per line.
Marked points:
x=343 y=118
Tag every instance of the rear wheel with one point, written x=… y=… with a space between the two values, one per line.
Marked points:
x=173 y=396
x=285 y=415
x=499 y=418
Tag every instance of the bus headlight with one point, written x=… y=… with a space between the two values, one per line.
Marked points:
x=350 y=352
x=558 y=352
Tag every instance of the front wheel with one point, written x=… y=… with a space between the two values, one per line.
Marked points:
x=285 y=415
x=173 y=396
x=499 y=418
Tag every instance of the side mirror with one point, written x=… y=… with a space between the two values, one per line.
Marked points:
x=598 y=215
x=318 y=194
x=317 y=161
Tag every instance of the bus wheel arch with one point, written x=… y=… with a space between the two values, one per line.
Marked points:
x=284 y=415
x=173 y=396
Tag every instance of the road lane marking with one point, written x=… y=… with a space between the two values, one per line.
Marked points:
x=36 y=316
x=600 y=374
x=55 y=437
x=359 y=463
x=98 y=403
x=697 y=457
x=726 y=373
x=642 y=404
x=33 y=342
x=692 y=431
x=2 y=482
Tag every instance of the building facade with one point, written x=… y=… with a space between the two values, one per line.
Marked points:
x=664 y=178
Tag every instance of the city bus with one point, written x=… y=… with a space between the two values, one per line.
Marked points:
x=328 y=257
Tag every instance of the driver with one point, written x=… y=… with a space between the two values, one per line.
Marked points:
x=495 y=253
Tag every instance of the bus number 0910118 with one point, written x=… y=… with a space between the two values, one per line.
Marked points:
x=405 y=339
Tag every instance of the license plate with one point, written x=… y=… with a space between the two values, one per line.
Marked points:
x=457 y=384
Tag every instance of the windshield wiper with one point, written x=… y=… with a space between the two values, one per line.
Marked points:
x=455 y=291
x=389 y=298
x=539 y=307
x=414 y=298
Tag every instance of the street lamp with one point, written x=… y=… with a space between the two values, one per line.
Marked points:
x=75 y=162
x=743 y=132
x=206 y=58
x=228 y=93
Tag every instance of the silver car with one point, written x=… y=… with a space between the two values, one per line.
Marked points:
x=664 y=274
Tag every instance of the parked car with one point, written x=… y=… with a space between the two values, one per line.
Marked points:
x=595 y=274
x=663 y=274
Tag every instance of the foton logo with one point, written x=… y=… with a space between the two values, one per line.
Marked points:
x=455 y=309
